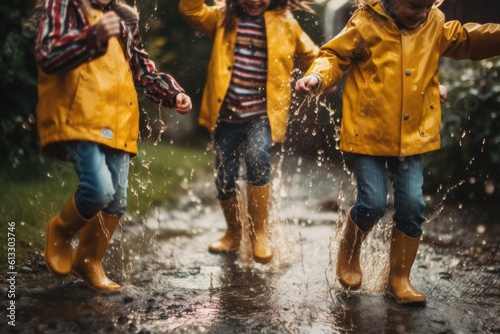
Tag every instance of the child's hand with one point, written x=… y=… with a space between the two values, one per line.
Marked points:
x=107 y=27
x=443 y=93
x=182 y=103
x=305 y=84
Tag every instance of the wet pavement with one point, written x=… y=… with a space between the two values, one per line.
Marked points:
x=173 y=285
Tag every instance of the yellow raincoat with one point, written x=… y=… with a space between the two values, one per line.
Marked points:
x=391 y=104
x=96 y=101
x=288 y=46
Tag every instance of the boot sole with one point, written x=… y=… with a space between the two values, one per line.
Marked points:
x=262 y=260
x=401 y=301
x=93 y=287
x=223 y=251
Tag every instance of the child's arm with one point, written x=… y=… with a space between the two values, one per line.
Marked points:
x=470 y=41
x=200 y=16
x=62 y=44
x=159 y=87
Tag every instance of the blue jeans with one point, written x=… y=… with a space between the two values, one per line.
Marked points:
x=103 y=178
x=250 y=140
x=406 y=175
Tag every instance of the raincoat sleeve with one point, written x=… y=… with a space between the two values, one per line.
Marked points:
x=470 y=41
x=200 y=16
x=336 y=56
x=159 y=87
x=65 y=38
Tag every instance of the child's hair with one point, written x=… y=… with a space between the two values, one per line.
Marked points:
x=360 y=4
x=233 y=10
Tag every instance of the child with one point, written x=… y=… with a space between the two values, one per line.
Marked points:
x=392 y=116
x=257 y=44
x=89 y=60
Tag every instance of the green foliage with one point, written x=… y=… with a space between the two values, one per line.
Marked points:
x=470 y=154
x=18 y=137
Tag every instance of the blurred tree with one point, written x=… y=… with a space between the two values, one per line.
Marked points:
x=470 y=154
x=18 y=136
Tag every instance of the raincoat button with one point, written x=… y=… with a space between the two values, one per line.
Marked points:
x=431 y=106
x=403 y=152
x=406 y=117
x=229 y=68
x=219 y=100
x=405 y=32
x=408 y=72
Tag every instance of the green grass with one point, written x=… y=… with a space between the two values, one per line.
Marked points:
x=32 y=193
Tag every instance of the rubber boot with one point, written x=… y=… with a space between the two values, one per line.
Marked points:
x=348 y=269
x=60 y=230
x=258 y=211
x=87 y=259
x=230 y=242
x=402 y=254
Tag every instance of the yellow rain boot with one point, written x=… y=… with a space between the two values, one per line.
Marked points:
x=403 y=253
x=230 y=242
x=87 y=259
x=60 y=230
x=348 y=268
x=258 y=212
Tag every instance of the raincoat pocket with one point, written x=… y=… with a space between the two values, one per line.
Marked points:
x=371 y=124
x=430 y=122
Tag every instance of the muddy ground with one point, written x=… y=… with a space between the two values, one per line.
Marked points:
x=173 y=285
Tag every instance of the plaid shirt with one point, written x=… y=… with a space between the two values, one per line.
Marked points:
x=67 y=38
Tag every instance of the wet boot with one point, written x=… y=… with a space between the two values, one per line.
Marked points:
x=230 y=242
x=348 y=268
x=60 y=230
x=87 y=259
x=403 y=253
x=258 y=211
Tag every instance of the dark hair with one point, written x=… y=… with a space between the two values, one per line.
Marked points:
x=233 y=10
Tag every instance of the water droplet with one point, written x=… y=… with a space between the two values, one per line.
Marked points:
x=480 y=229
x=489 y=187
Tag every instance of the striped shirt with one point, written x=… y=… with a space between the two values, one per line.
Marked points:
x=246 y=95
x=67 y=39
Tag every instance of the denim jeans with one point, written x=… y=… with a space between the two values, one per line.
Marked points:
x=232 y=142
x=102 y=178
x=406 y=175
